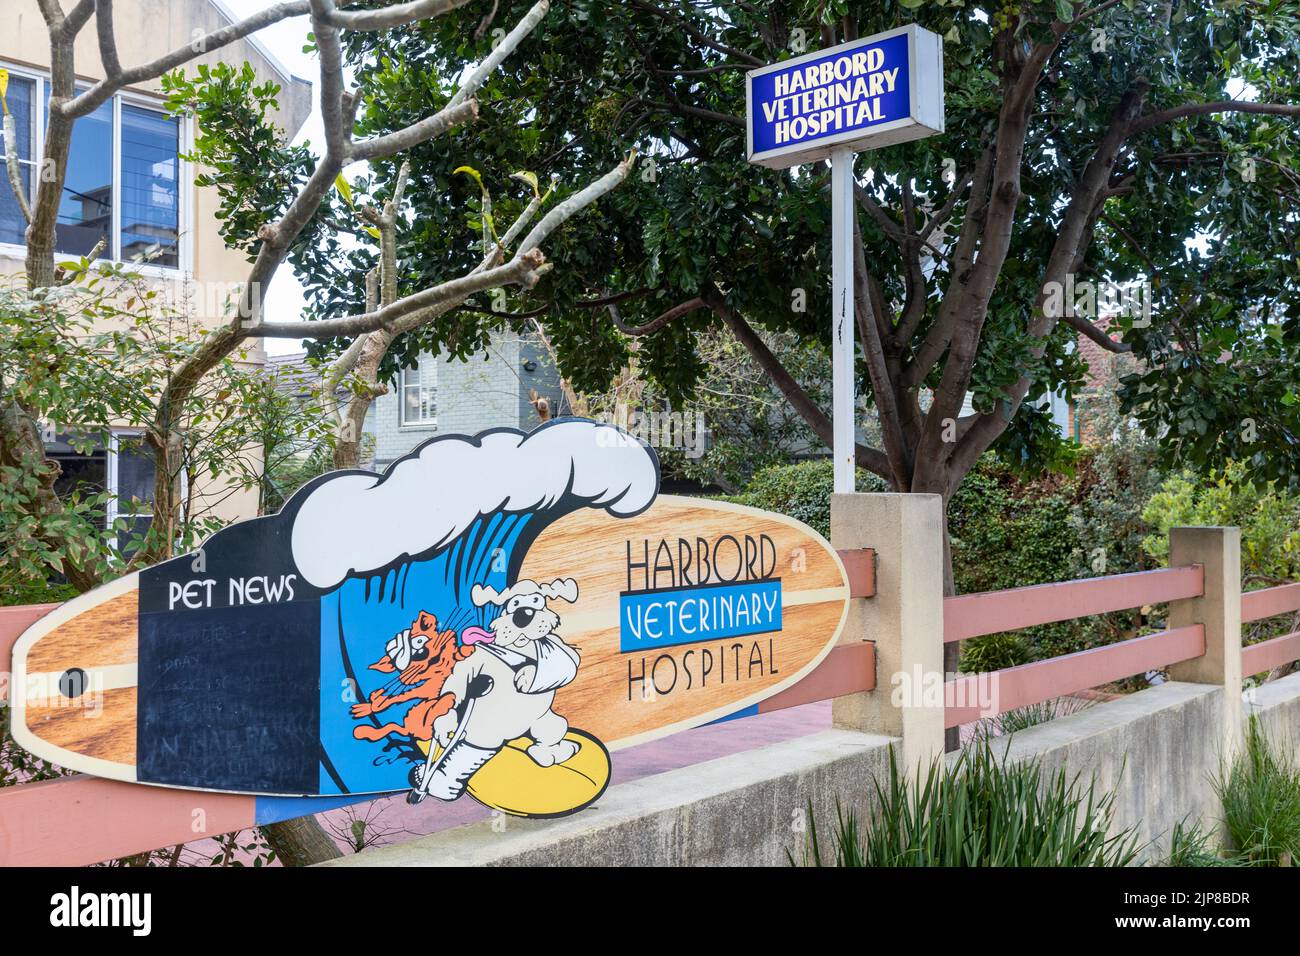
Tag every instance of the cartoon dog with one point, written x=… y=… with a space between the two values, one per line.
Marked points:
x=423 y=658
x=521 y=662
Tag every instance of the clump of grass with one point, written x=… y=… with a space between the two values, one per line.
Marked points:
x=1193 y=845
x=982 y=810
x=1260 y=793
x=1022 y=718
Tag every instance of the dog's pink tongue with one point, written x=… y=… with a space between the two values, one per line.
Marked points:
x=476 y=635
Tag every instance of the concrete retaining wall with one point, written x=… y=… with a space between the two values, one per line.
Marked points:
x=747 y=809
x=1158 y=749
x=1277 y=705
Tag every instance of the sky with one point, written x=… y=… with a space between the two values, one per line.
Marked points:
x=284 y=298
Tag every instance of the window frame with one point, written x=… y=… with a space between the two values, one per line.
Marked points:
x=422 y=423
x=185 y=182
x=112 y=474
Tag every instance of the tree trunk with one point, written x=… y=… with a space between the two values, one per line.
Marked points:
x=301 y=842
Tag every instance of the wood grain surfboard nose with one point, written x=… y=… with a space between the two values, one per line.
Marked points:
x=89 y=645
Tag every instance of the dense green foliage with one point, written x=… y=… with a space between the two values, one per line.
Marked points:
x=981 y=810
x=599 y=79
x=1268 y=516
x=801 y=490
x=1269 y=519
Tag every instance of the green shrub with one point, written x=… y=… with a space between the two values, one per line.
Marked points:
x=1269 y=519
x=802 y=491
x=35 y=592
x=982 y=810
x=1260 y=793
x=16 y=764
x=993 y=652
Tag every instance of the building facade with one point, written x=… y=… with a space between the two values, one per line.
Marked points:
x=450 y=397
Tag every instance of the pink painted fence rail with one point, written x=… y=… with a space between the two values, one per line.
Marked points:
x=1034 y=683
x=990 y=612
x=1269 y=602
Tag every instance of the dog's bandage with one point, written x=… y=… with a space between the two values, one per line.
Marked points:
x=556 y=664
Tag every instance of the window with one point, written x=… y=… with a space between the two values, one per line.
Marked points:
x=150 y=177
x=19 y=97
x=420 y=393
x=123 y=468
x=86 y=209
x=123 y=181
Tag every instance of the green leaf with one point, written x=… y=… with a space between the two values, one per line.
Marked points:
x=345 y=189
x=529 y=178
x=473 y=173
x=4 y=88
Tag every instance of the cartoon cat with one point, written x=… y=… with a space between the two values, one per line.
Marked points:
x=423 y=658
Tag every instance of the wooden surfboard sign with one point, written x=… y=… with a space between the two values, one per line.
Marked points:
x=522 y=604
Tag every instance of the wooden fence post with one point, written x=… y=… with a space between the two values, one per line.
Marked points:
x=904 y=619
x=1218 y=551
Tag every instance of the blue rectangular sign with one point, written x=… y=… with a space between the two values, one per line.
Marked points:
x=879 y=90
x=653 y=619
x=851 y=89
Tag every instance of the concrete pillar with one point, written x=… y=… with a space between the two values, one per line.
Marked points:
x=1218 y=551
x=904 y=619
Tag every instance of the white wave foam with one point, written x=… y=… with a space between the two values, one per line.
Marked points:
x=361 y=523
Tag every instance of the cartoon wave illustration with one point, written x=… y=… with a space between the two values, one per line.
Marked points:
x=455 y=513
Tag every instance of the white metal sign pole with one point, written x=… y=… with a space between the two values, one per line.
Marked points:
x=894 y=81
x=842 y=398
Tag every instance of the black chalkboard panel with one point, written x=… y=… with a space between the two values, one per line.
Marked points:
x=229 y=698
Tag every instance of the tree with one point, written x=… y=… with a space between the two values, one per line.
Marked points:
x=279 y=203
x=275 y=218
x=1086 y=142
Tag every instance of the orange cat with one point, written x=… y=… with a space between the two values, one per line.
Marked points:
x=426 y=658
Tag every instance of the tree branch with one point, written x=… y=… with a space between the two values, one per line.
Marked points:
x=516 y=270
x=394 y=16
x=14 y=168
x=871 y=459
x=579 y=200
x=503 y=49
x=107 y=37
x=426 y=129
x=1097 y=335
x=89 y=101
x=657 y=323
x=1150 y=120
